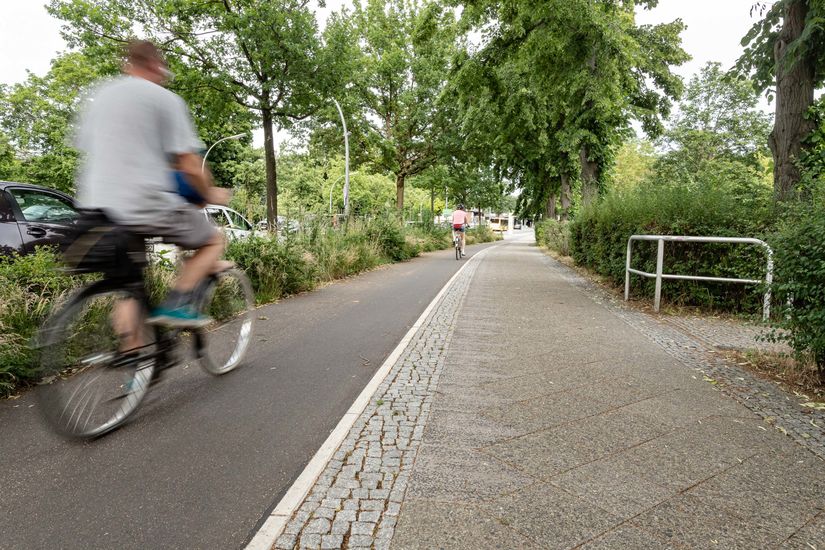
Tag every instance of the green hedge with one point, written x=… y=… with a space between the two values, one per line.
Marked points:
x=599 y=234
x=799 y=285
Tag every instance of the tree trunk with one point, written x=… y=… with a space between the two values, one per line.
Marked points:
x=565 y=197
x=399 y=192
x=590 y=176
x=550 y=208
x=271 y=171
x=794 y=95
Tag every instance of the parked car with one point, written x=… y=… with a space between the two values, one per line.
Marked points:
x=233 y=224
x=32 y=216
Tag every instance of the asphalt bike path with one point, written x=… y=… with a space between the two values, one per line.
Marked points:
x=205 y=459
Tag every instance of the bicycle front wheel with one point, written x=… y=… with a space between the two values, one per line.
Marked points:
x=230 y=302
x=90 y=386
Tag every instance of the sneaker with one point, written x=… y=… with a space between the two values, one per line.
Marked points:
x=182 y=316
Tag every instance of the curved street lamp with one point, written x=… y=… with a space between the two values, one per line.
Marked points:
x=346 y=159
x=331 y=189
x=203 y=164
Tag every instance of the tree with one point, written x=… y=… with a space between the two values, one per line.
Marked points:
x=633 y=165
x=36 y=117
x=567 y=77
x=786 y=50
x=722 y=112
x=718 y=139
x=264 y=55
x=407 y=46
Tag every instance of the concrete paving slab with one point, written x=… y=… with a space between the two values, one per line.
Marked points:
x=629 y=538
x=811 y=536
x=451 y=428
x=449 y=474
x=700 y=523
x=612 y=484
x=542 y=454
x=550 y=410
x=434 y=526
x=461 y=398
x=556 y=518
x=549 y=379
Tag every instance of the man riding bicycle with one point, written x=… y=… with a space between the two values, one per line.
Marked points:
x=461 y=219
x=133 y=134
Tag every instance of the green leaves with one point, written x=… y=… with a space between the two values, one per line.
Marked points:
x=35 y=121
x=560 y=82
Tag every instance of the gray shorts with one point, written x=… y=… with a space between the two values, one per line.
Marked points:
x=186 y=226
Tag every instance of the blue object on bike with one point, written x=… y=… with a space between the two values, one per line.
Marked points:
x=185 y=190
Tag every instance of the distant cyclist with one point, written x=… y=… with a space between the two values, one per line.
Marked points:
x=133 y=133
x=461 y=219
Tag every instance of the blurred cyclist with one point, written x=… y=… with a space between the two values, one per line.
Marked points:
x=461 y=219
x=133 y=132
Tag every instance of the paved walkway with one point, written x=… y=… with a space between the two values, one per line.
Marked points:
x=530 y=412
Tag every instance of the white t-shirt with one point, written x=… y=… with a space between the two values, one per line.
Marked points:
x=128 y=132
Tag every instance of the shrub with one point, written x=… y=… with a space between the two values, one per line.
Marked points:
x=599 y=234
x=482 y=234
x=388 y=233
x=340 y=252
x=799 y=286
x=428 y=239
x=29 y=287
x=554 y=235
x=275 y=268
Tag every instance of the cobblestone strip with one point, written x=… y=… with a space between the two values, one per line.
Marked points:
x=356 y=501
x=763 y=397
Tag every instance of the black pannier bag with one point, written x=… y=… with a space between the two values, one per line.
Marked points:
x=102 y=246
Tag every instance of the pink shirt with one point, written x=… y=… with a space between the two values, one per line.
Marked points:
x=459 y=217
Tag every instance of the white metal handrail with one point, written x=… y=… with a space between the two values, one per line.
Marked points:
x=660 y=254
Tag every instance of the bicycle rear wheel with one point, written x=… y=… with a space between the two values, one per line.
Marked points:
x=230 y=302
x=458 y=249
x=90 y=387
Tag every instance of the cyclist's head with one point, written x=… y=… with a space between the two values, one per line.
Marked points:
x=143 y=59
x=461 y=207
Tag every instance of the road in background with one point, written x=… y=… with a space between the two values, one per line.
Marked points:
x=205 y=459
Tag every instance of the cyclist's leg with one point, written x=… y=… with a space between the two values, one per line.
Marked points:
x=126 y=321
x=190 y=229
x=463 y=240
x=204 y=261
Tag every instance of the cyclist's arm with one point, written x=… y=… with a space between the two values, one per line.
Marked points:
x=190 y=164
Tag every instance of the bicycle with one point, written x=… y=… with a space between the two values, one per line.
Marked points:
x=457 y=244
x=90 y=385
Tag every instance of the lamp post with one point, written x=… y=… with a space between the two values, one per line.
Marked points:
x=331 y=189
x=346 y=159
x=203 y=164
